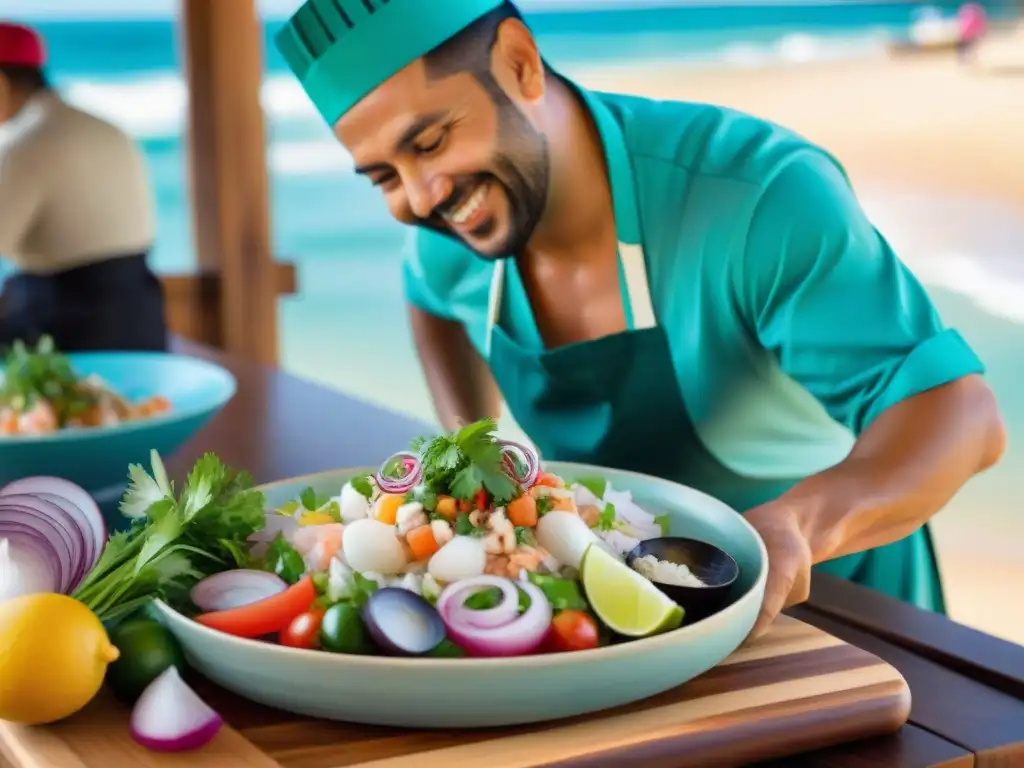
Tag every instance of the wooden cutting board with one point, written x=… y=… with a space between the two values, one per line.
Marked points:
x=794 y=690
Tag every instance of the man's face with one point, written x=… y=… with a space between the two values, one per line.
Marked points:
x=452 y=154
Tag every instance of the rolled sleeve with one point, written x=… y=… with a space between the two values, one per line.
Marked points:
x=826 y=295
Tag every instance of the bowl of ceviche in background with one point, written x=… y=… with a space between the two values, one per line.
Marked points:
x=399 y=634
x=85 y=417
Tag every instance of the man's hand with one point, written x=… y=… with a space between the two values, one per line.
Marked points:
x=789 y=560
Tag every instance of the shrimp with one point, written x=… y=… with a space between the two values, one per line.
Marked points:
x=524 y=559
x=318 y=544
x=38 y=420
x=497 y=565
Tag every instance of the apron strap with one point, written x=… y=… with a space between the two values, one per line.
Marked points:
x=494 y=303
x=638 y=303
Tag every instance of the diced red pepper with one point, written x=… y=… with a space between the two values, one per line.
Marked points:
x=263 y=617
x=480 y=501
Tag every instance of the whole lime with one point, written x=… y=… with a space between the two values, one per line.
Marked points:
x=146 y=650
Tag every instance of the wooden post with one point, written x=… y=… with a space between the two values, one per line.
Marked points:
x=223 y=44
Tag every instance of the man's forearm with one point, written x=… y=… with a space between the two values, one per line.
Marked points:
x=460 y=383
x=904 y=469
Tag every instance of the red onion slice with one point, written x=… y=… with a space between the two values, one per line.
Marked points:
x=454 y=601
x=23 y=539
x=233 y=589
x=412 y=468
x=521 y=636
x=89 y=516
x=54 y=515
x=170 y=717
x=529 y=456
x=22 y=518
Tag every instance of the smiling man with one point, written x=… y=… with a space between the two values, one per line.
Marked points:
x=666 y=287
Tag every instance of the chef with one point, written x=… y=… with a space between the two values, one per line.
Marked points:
x=76 y=217
x=672 y=288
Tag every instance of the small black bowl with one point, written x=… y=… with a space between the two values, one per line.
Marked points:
x=716 y=568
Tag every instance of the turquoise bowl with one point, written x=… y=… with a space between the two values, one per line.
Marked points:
x=98 y=458
x=478 y=693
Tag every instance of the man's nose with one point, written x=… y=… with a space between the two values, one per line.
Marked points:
x=425 y=194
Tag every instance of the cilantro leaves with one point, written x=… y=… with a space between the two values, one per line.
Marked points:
x=173 y=541
x=467 y=461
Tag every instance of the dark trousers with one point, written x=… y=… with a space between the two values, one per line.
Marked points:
x=116 y=304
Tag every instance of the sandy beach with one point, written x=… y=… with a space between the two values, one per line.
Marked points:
x=936 y=154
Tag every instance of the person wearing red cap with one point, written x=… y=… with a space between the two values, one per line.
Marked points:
x=76 y=217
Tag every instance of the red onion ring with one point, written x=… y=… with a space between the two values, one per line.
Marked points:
x=233 y=589
x=413 y=467
x=521 y=636
x=501 y=614
x=17 y=517
x=17 y=537
x=54 y=516
x=530 y=457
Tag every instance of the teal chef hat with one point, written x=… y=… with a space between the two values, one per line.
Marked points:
x=340 y=50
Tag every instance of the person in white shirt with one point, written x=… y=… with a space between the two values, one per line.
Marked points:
x=76 y=217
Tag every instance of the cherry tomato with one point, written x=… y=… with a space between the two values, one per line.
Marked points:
x=571 y=631
x=303 y=631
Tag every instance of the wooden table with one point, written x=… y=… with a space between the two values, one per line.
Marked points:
x=967 y=687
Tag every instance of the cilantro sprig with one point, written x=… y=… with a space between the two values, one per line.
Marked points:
x=174 y=540
x=466 y=461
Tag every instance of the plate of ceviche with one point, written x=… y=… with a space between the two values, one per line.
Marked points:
x=466 y=583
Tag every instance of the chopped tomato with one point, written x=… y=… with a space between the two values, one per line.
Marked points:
x=422 y=542
x=546 y=478
x=264 y=617
x=465 y=506
x=304 y=630
x=523 y=511
x=480 y=500
x=571 y=631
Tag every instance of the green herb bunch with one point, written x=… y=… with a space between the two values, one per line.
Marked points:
x=174 y=540
x=466 y=461
x=43 y=373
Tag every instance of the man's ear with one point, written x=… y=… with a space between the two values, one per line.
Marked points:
x=516 y=61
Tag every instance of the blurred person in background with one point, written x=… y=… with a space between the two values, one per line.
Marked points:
x=76 y=217
x=972 y=26
x=672 y=288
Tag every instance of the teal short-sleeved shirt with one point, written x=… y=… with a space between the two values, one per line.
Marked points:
x=792 y=324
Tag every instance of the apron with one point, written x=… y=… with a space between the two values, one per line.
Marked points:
x=111 y=305
x=616 y=402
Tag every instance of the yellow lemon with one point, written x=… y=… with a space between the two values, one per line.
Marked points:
x=54 y=653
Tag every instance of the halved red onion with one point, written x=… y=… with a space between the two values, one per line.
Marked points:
x=497 y=616
x=530 y=458
x=520 y=636
x=233 y=589
x=15 y=519
x=21 y=541
x=81 y=506
x=170 y=717
x=53 y=516
x=70 y=511
x=412 y=473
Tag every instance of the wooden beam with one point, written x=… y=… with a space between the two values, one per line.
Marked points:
x=223 y=43
x=193 y=303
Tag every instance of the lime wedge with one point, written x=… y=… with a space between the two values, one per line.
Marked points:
x=623 y=599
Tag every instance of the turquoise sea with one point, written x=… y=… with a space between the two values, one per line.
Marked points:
x=335 y=229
